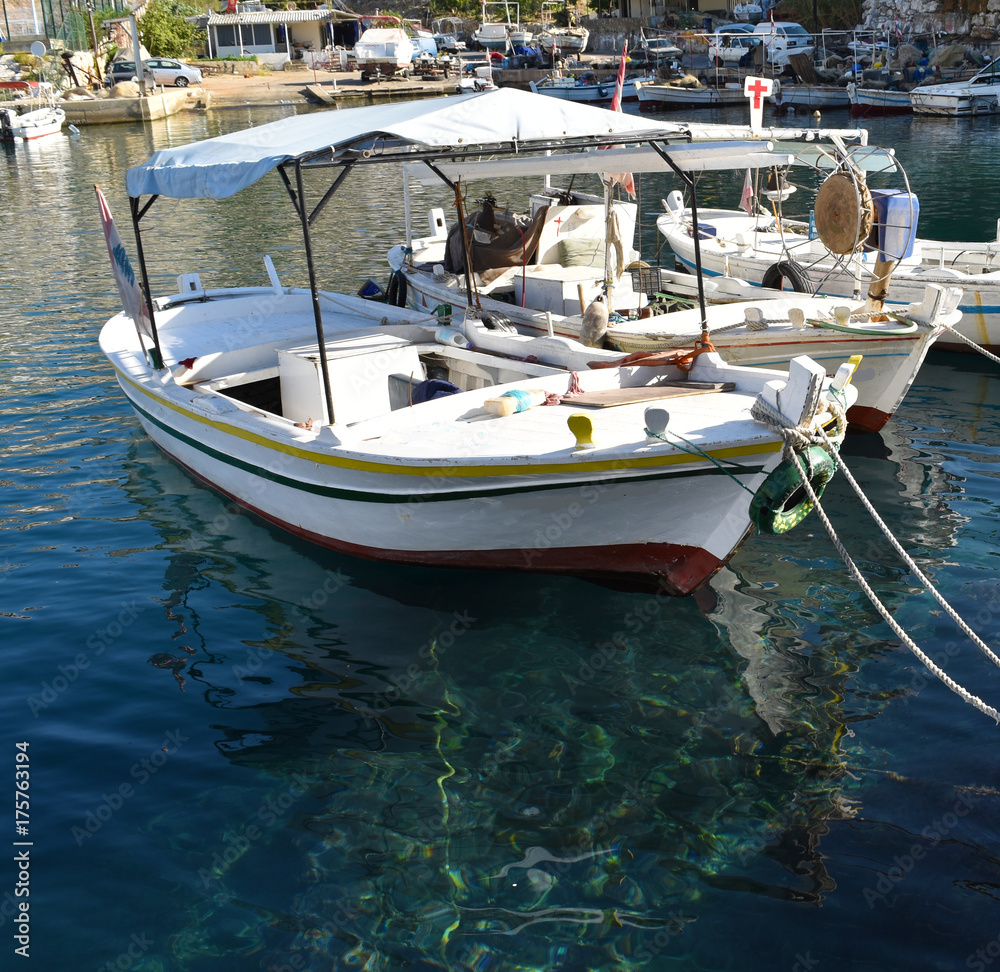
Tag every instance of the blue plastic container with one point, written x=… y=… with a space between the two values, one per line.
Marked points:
x=896 y=213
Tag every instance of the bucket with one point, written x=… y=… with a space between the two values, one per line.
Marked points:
x=896 y=214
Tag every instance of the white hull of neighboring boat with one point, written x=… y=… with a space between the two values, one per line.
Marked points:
x=890 y=364
x=568 y=90
x=875 y=101
x=977 y=96
x=720 y=255
x=655 y=96
x=802 y=96
x=566 y=40
x=34 y=124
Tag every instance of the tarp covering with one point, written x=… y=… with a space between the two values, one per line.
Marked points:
x=217 y=168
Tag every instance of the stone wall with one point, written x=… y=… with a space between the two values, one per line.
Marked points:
x=978 y=23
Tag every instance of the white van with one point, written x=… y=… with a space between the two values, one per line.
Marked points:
x=781 y=39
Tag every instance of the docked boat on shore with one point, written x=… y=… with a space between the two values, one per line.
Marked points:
x=978 y=95
x=868 y=102
x=40 y=116
x=376 y=431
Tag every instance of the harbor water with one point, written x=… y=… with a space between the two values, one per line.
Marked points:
x=242 y=752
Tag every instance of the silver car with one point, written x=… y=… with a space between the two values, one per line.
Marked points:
x=164 y=70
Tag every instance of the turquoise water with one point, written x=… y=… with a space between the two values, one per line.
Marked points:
x=248 y=753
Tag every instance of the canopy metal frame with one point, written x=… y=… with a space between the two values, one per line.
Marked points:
x=377 y=150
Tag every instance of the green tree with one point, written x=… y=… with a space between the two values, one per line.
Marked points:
x=165 y=32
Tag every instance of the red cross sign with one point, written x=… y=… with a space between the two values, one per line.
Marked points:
x=756 y=88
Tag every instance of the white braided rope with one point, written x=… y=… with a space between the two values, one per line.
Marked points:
x=938 y=672
x=971 y=343
x=918 y=573
x=803 y=436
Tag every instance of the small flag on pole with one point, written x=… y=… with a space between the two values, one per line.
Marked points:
x=133 y=302
x=623 y=178
x=746 y=200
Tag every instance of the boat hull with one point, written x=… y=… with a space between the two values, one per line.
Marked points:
x=660 y=97
x=586 y=93
x=598 y=524
x=867 y=102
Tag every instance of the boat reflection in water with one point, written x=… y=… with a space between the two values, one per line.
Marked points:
x=434 y=779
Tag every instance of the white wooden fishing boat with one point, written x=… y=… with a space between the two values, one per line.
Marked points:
x=773 y=250
x=808 y=97
x=384 y=50
x=587 y=91
x=565 y=41
x=40 y=116
x=563 y=269
x=501 y=34
x=878 y=101
x=978 y=95
x=398 y=441
x=662 y=95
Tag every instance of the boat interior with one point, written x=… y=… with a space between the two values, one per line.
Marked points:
x=561 y=266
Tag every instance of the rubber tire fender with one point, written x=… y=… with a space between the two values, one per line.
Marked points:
x=782 y=502
x=395 y=291
x=788 y=270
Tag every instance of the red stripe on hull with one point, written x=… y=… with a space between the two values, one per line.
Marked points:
x=864 y=418
x=677 y=569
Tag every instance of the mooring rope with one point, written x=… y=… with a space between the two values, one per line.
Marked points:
x=971 y=343
x=934 y=669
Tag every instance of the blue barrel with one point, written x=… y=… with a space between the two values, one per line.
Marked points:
x=896 y=213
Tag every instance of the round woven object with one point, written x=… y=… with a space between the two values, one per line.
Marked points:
x=844 y=213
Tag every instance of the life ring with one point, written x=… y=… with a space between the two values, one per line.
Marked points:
x=782 y=501
x=788 y=270
x=395 y=291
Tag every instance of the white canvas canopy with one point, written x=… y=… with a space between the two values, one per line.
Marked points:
x=219 y=167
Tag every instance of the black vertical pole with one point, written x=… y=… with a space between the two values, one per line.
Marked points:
x=157 y=355
x=317 y=313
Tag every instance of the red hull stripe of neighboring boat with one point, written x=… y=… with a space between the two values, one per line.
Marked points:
x=678 y=567
x=864 y=418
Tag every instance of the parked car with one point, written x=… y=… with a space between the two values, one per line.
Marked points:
x=731 y=43
x=120 y=71
x=155 y=70
x=163 y=70
x=449 y=43
x=783 y=38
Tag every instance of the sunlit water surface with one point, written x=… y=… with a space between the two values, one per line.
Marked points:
x=249 y=753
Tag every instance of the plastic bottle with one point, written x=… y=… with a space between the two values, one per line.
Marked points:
x=812 y=224
x=452 y=337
